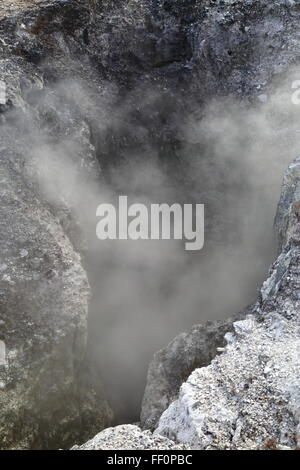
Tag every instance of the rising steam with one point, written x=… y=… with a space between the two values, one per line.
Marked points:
x=232 y=160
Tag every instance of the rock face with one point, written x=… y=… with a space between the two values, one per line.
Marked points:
x=288 y=208
x=171 y=366
x=49 y=396
x=129 y=437
x=184 y=51
x=248 y=397
x=44 y=297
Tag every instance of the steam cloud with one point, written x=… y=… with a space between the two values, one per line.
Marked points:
x=146 y=292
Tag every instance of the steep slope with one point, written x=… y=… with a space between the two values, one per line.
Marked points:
x=171 y=366
x=248 y=397
x=49 y=396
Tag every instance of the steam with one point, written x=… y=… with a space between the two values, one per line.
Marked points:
x=231 y=159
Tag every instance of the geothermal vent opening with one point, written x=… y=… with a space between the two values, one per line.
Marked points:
x=223 y=155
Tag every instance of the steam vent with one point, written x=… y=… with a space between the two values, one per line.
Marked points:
x=149 y=227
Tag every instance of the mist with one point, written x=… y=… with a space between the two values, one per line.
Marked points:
x=229 y=156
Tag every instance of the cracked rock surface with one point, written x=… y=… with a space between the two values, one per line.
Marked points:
x=190 y=51
x=171 y=366
x=129 y=437
x=248 y=397
x=49 y=394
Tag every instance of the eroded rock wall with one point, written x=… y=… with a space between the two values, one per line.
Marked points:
x=171 y=366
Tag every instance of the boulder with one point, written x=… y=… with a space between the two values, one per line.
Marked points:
x=50 y=394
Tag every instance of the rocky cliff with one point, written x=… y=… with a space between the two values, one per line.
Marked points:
x=129 y=437
x=248 y=397
x=171 y=366
x=49 y=396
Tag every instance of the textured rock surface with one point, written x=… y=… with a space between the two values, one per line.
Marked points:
x=171 y=366
x=288 y=208
x=185 y=50
x=129 y=437
x=43 y=303
x=248 y=397
x=48 y=394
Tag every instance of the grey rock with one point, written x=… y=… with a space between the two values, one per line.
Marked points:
x=184 y=50
x=44 y=308
x=129 y=437
x=50 y=394
x=288 y=207
x=272 y=285
x=248 y=397
x=242 y=400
